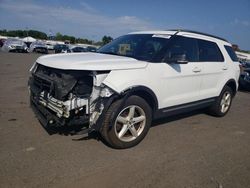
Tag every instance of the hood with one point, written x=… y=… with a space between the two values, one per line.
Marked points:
x=90 y=61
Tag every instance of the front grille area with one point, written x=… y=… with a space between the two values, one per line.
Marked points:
x=42 y=84
x=59 y=83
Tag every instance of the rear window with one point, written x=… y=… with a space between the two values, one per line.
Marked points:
x=209 y=51
x=231 y=53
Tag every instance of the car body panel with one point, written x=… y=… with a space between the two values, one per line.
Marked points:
x=172 y=83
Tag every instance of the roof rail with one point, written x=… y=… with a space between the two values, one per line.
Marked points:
x=196 y=32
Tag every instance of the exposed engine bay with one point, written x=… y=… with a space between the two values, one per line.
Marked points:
x=63 y=97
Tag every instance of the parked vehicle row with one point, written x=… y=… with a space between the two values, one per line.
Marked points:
x=17 y=45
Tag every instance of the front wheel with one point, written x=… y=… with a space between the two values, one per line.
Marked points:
x=126 y=124
x=222 y=103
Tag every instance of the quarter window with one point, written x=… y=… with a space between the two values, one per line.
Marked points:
x=231 y=53
x=209 y=51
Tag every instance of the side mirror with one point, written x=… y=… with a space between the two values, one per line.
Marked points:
x=177 y=59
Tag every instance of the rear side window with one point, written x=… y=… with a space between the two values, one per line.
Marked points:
x=231 y=53
x=184 y=45
x=209 y=51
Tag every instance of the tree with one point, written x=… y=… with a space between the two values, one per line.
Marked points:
x=23 y=33
x=58 y=36
x=106 y=39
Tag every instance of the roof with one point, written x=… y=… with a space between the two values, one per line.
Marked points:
x=197 y=32
x=180 y=32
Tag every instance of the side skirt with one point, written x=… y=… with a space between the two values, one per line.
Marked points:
x=183 y=108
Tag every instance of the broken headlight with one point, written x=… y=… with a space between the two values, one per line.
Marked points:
x=83 y=87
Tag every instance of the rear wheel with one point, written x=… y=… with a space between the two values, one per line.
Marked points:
x=222 y=103
x=126 y=124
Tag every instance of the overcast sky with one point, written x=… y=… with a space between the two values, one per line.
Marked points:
x=92 y=19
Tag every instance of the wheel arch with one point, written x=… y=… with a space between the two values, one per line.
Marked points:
x=233 y=85
x=144 y=92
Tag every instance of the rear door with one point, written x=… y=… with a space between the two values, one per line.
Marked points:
x=214 y=68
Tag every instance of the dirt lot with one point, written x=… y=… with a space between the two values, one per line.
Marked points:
x=188 y=151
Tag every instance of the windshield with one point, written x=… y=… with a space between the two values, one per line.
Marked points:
x=145 y=47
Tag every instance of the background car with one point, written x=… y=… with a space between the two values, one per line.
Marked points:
x=38 y=46
x=50 y=46
x=76 y=49
x=14 y=45
x=244 y=80
x=2 y=42
x=61 y=48
x=91 y=49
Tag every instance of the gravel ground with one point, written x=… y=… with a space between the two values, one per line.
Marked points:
x=190 y=151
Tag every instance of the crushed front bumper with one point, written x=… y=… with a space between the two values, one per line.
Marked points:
x=48 y=118
x=52 y=112
x=53 y=109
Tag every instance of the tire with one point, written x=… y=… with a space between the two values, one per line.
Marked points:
x=223 y=103
x=126 y=124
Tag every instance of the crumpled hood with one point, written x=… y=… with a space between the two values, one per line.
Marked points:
x=90 y=61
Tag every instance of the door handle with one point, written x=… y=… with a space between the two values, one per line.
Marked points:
x=196 y=69
x=224 y=68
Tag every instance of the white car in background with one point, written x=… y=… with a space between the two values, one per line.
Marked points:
x=50 y=46
x=14 y=45
x=130 y=81
x=38 y=46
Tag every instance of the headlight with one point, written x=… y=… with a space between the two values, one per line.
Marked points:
x=84 y=86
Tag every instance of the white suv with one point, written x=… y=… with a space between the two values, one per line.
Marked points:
x=132 y=80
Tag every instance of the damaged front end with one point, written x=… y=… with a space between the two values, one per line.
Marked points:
x=68 y=97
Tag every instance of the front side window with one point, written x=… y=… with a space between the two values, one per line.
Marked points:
x=209 y=51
